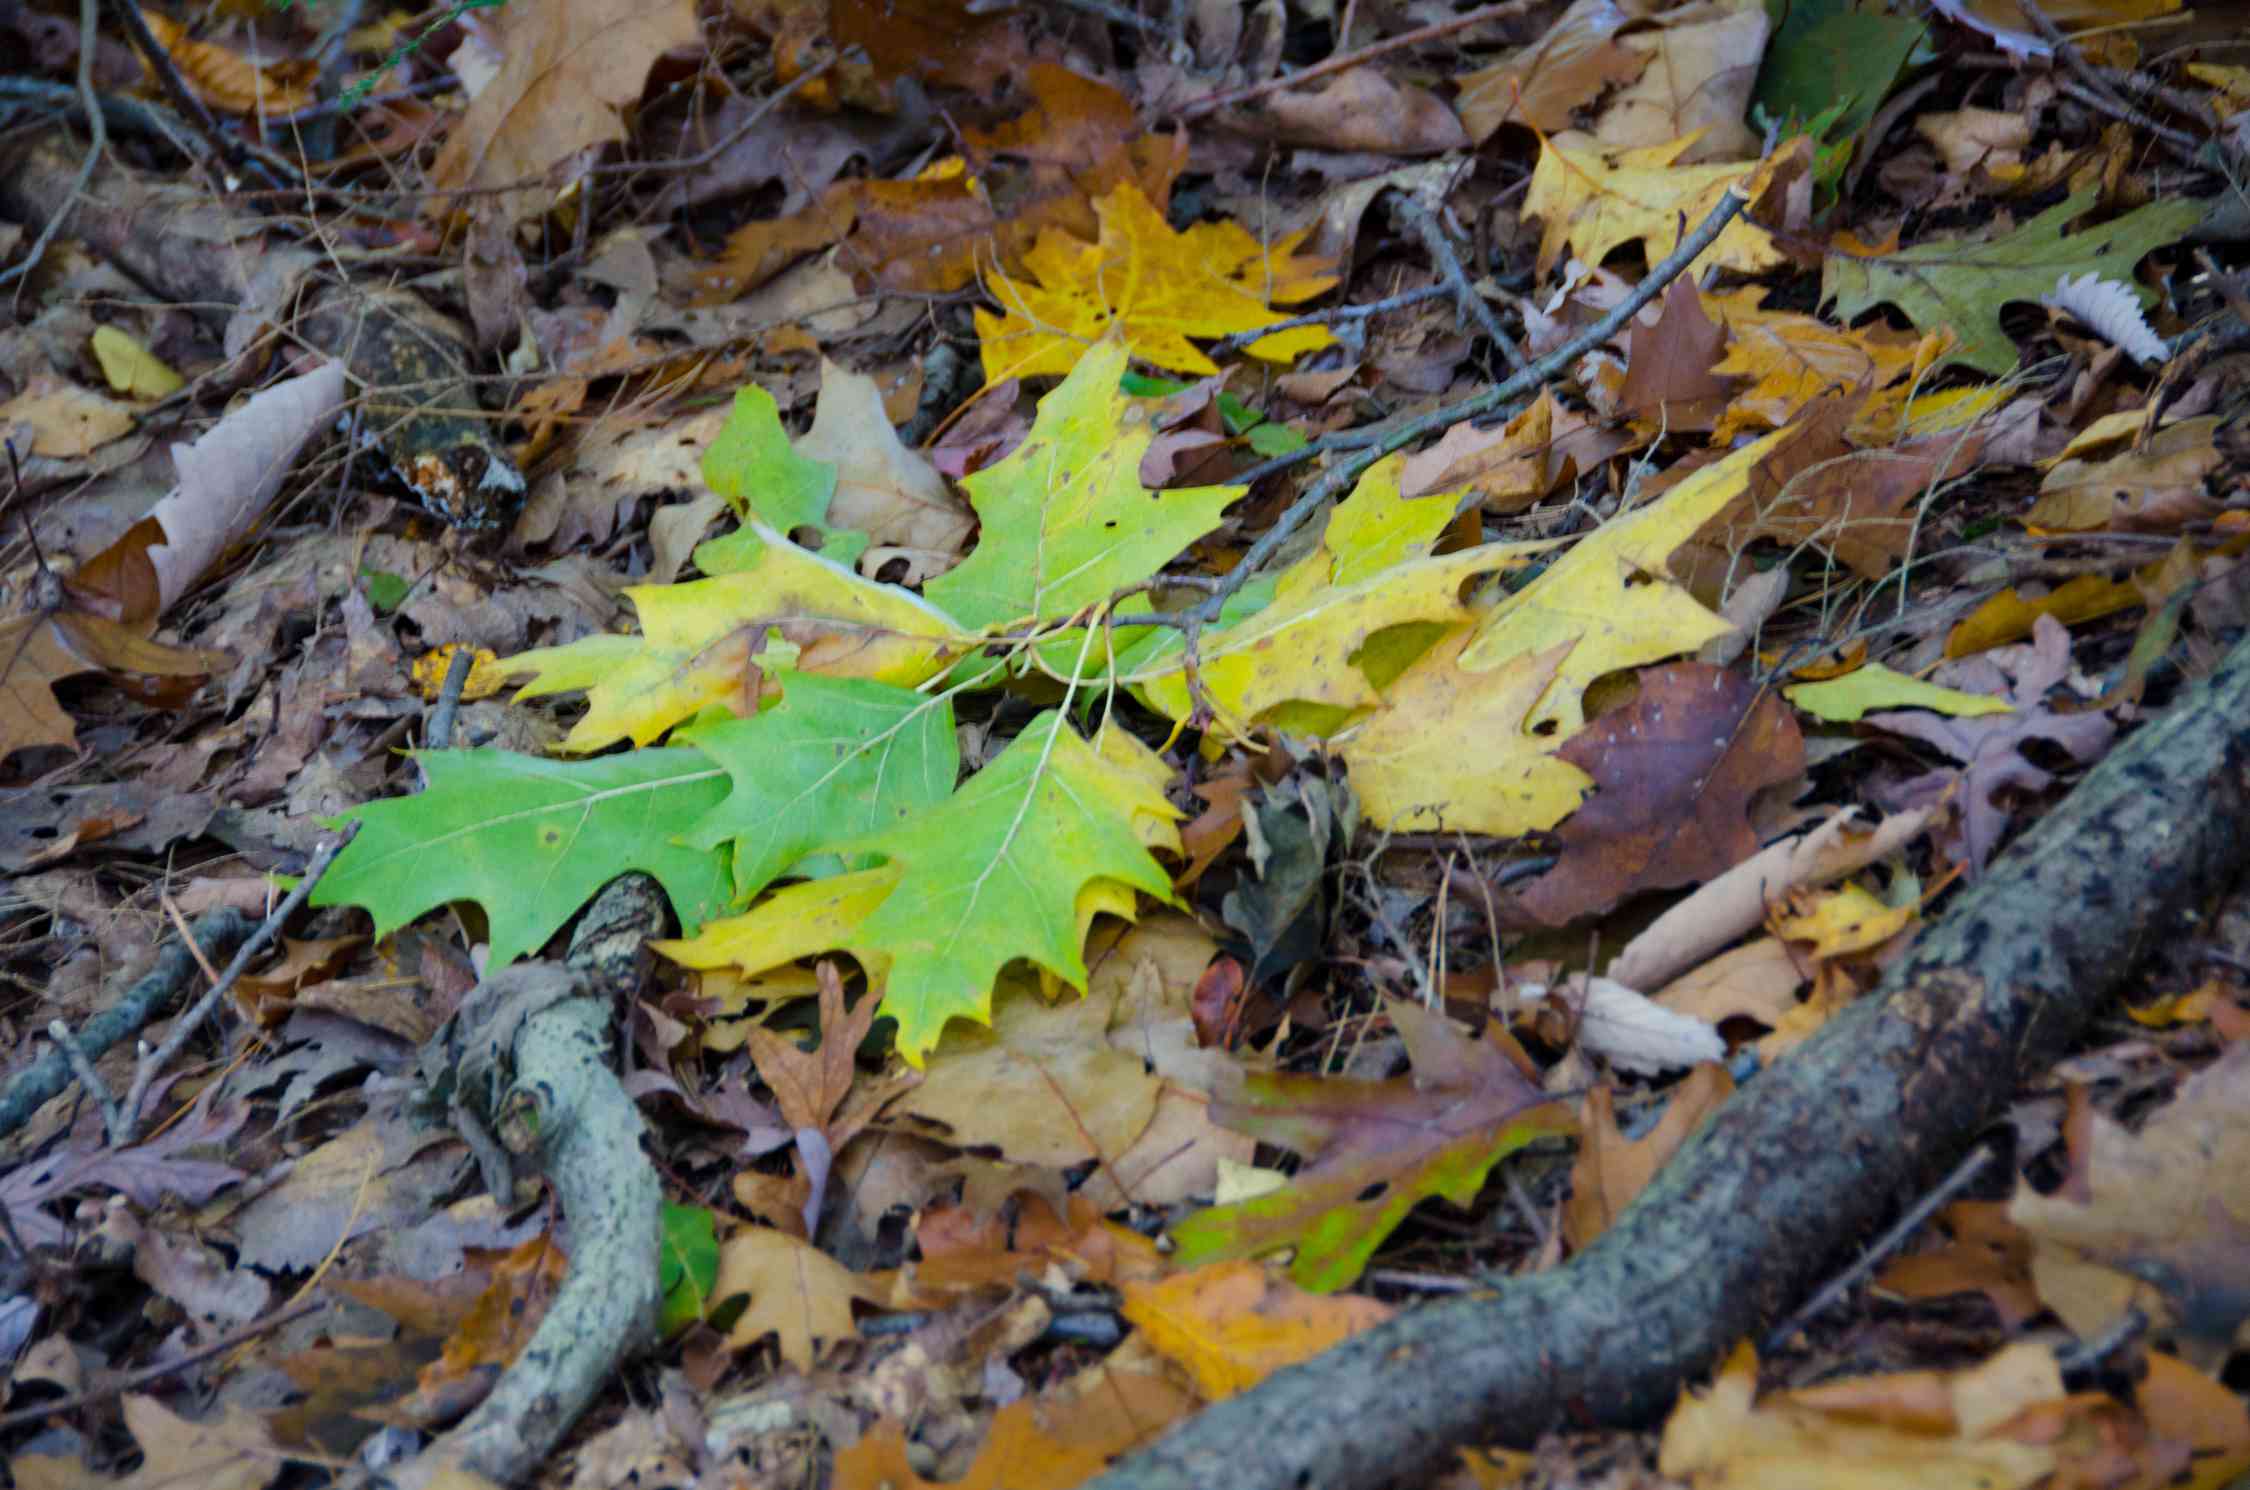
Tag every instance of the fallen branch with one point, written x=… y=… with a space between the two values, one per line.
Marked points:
x=536 y=1036
x=1799 y=1166
x=412 y=363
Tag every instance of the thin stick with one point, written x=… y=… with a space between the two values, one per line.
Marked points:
x=1890 y=1241
x=31 y=1088
x=448 y=705
x=2094 y=90
x=227 y=148
x=97 y=125
x=1425 y=226
x=81 y=1067
x=184 y=1028
x=1196 y=108
x=1241 y=339
x=40 y=1411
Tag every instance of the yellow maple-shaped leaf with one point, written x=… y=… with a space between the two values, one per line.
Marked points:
x=1370 y=573
x=1794 y=359
x=1448 y=750
x=1594 y=201
x=1613 y=596
x=701 y=642
x=1156 y=828
x=1157 y=287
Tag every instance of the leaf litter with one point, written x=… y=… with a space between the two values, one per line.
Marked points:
x=1084 y=819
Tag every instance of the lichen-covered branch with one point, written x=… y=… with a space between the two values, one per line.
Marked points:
x=533 y=1041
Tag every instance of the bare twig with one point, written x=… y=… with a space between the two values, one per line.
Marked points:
x=97 y=125
x=1560 y=360
x=74 y=1055
x=184 y=1028
x=440 y=733
x=1241 y=339
x=220 y=932
x=1890 y=1241
x=1423 y=223
x=2094 y=90
x=132 y=1380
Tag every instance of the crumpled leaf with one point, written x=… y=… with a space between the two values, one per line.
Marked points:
x=147 y=1172
x=1035 y=1443
x=131 y=368
x=883 y=488
x=1374 y=1150
x=797 y=1293
x=1595 y=201
x=1909 y=1427
x=228 y=477
x=1960 y=284
x=532 y=840
x=1233 y=1324
x=2110 y=310
x=1674 y=772
x=2147 y=1226
x=1157 y=287
x=227 y=80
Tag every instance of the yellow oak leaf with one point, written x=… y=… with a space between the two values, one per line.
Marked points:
x=1614 y=597
x=1594 y=201
x=1157 y=287
x=1448 y=750
x=1310 y=643
x=700 y=643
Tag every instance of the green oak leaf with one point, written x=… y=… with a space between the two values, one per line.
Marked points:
x=1959 y=284
x=1065 y=520
x=532 y=840
x=836 y=758
x=753 y=465
x=994 y=873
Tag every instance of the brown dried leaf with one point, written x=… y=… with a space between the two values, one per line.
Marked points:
x=1674 y=771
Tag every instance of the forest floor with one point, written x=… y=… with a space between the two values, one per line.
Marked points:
x=874 y=742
